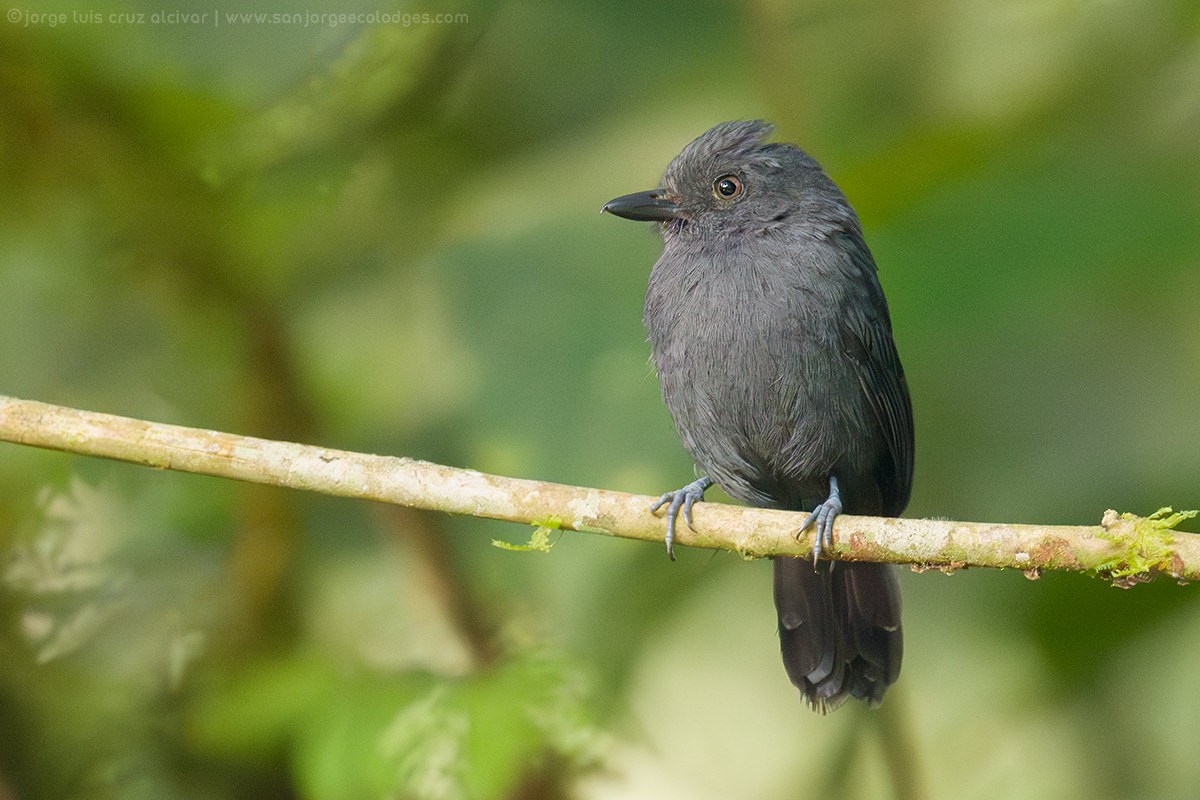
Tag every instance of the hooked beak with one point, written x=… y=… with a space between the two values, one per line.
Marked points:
x=652 y=206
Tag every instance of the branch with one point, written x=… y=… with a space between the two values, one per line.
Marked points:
x=1123 y=547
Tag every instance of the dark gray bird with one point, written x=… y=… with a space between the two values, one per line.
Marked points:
x=774 y=348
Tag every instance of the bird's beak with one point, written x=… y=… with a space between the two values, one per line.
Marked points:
x=652 y=206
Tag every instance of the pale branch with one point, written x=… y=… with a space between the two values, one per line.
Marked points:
x=1123 y=547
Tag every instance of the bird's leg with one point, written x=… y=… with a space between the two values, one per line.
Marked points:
x=683 y=498
x=824 y=515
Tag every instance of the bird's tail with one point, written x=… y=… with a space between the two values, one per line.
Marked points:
x=839 y=629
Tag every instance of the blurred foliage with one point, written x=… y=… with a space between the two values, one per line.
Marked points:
x=385 y=237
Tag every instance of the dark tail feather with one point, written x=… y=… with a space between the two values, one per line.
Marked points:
x=839 y=629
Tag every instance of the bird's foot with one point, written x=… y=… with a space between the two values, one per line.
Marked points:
x=684 y=499
x=822 y=518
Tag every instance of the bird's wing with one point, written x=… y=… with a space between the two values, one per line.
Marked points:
x=867 y=338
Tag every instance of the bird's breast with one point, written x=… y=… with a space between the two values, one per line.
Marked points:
x=751 y=374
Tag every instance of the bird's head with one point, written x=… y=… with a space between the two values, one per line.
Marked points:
x=729 y=182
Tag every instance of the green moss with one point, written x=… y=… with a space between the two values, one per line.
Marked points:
x=539 y=540
x=1147 y=543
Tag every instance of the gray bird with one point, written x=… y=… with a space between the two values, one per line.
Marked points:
x=772 y=341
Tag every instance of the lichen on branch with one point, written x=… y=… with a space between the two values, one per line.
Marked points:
x=1123 y=548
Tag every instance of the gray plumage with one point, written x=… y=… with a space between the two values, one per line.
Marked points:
x=771 y=338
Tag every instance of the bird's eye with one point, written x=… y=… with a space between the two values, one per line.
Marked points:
x=727 y=187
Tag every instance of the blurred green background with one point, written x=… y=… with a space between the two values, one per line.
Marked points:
x=385 y=237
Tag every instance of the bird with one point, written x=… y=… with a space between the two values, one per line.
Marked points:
x=772 y=341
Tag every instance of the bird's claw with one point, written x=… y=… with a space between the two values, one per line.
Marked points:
x=821 y=519
x=683 y=499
